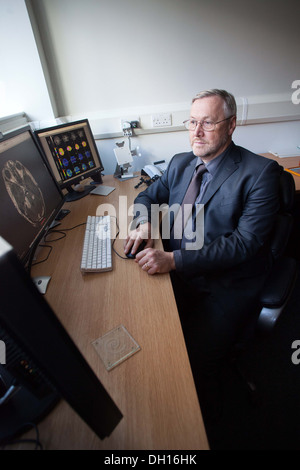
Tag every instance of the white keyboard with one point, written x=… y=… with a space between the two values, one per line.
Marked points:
x=96 y=253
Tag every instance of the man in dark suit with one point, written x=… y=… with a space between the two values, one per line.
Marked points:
x=216 y=282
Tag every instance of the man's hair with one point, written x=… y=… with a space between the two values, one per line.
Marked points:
x=228 y=98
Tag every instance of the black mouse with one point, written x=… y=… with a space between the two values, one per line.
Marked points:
x=140 y=248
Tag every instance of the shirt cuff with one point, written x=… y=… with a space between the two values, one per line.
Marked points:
x=138 y=221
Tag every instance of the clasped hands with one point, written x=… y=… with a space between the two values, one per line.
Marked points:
x=150 y=259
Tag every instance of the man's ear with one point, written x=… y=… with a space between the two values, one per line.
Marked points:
x=232 y=125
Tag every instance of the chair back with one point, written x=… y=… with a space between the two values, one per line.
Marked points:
x=284 y=219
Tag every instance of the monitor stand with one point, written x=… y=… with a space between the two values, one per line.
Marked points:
x=73 y=195
x=97 y=177
x=122 y=172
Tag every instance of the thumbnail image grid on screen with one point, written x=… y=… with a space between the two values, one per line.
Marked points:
x=71 y=152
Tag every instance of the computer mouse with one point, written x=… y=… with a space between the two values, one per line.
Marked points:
x=140 y=248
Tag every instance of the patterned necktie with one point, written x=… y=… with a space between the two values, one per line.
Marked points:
x=189 y=199
x=194 y=187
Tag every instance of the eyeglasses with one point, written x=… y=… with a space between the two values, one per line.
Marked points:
x=209 y=126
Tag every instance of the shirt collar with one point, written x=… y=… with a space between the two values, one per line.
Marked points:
x=213 y=165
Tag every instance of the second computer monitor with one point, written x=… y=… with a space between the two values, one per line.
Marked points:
x=72 y=155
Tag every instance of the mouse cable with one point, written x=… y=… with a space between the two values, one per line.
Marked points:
x=115 y=251
x=84 y=223
x=113 y=241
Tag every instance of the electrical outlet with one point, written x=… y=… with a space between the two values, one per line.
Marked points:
x=126 y=128
x=129 y=124
x=161 y=120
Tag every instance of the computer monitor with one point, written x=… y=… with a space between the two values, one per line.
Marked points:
x=30 y=199
x=42 y=362
x=72 y=155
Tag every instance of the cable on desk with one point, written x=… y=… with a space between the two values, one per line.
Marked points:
x=113 y=242
x=62 y=232
x=45 y=259
x=30 y=263
x=36 y=441
x=55 y=239
x=148 y=181
x=71 y=228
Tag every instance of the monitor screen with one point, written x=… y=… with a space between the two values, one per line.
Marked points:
x=29 y=196
x=42 y=363
x=72 y=154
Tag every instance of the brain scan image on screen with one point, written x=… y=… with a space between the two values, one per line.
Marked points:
x=24 y=192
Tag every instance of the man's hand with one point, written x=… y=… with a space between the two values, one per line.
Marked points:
x=136 y=237
x=155 y=261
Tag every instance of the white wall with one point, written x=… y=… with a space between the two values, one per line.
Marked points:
x=113 y=55
x=110 y=59
x=279 y=137
x=22 y=82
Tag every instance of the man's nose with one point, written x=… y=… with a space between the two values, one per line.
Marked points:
x=199 y=129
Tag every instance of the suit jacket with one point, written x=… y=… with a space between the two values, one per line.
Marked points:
x=240 y=204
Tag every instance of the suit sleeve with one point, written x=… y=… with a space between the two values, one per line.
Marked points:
x=156 y=194
x=251 y=233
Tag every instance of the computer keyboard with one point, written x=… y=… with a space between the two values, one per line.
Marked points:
x=96 y=252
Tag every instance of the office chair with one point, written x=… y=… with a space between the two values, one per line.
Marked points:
x=281 y=281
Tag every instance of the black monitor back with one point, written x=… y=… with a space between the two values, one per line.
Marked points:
x=42 y=358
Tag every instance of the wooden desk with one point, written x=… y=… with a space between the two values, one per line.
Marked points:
x=287 y=162
x=154 y=388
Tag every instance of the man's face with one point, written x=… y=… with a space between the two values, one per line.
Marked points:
x=208 y=145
